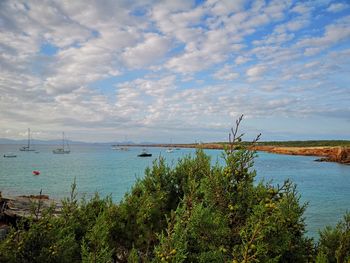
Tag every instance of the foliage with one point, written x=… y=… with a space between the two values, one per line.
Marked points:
x=60 y=239
x=310 y=143
x=95 y=246
x=334 y=243
x=192 y=212
x=226 y=217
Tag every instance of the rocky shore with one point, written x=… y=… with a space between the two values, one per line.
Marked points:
x=327 y=154
x=27 y=206
x=15 y=208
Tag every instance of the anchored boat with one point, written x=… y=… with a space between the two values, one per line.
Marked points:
x=144 y=153
x=64 y=149
x=10 y=155
x=36 y=172
x=28 y=147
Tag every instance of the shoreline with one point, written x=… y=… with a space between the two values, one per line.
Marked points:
x=21 y=206
x=338 y=154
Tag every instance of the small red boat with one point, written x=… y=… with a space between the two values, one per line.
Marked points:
x=36 y=172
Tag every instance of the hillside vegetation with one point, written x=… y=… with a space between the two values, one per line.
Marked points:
x=308 y=143
x=311 y=143
x=192 y=212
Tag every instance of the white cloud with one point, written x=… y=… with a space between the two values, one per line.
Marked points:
x=256 y=71
x=276 y=9
x=156 y=87
x=337 y=7
x=147 y=64
x=72 y=65
x=297 y=24
x=225 y=7
x=226 y=73
x=311 y=51
x=334 y=33
x=302 y=9
x=154 y=47
x=172 y=16
x=274 y=39
x=292 y=25
x=312 y=64
x=241 y=60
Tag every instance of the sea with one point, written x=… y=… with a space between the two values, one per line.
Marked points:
x=324 y=186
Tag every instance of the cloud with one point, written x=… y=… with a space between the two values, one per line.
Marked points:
x=292 y=25
x=241 y=60
x=274 y=39
x=312 y=51
x=337 y=7
x=226 y=7
x=256 y=71
x=132 y=66
x=334 y=33
x=226 y=73
x=154 y=47
x=302 y=9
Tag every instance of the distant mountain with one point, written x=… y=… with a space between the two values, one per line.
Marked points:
x=147 y=143
x=8 y=141
x=55 y=142
x=120 y=143
x=38 y=142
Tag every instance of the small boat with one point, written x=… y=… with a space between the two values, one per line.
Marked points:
x=169 y=150
x=64 y=149
x=36 y=172
x=144 y=153
x=124 y=148
x=117 y=148
x=10 y=155
x=27 y=148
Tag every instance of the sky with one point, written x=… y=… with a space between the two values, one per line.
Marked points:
x=174 y=71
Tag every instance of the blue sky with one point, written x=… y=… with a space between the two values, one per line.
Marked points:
x=179 y=71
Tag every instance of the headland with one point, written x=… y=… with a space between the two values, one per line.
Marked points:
x=328 y=151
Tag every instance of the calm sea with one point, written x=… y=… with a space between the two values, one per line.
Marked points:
x=325 y=186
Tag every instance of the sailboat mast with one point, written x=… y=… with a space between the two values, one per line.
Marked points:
x=28 y=138
x=63 y=140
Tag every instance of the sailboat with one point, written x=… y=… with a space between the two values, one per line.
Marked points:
x=64 y=149
x=117 y=148
x=169 y=150
x=28 y=147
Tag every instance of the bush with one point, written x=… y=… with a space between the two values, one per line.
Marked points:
x=334 y=243
x=62 y=239
x=224 y=217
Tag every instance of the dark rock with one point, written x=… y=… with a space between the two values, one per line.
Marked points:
x=322 y=160
x=4 y=230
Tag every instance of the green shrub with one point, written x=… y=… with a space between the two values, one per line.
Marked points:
x=334 y=243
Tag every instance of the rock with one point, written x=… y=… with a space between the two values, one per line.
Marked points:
x=4 y=230
x=327 y=154
x=343 y=155
x=46 y=197
x=23 y=206
x=322 y=160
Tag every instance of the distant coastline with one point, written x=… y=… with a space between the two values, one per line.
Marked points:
x=328 y=150
x=331 y=151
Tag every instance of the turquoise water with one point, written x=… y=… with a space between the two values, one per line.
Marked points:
x=326 y=186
